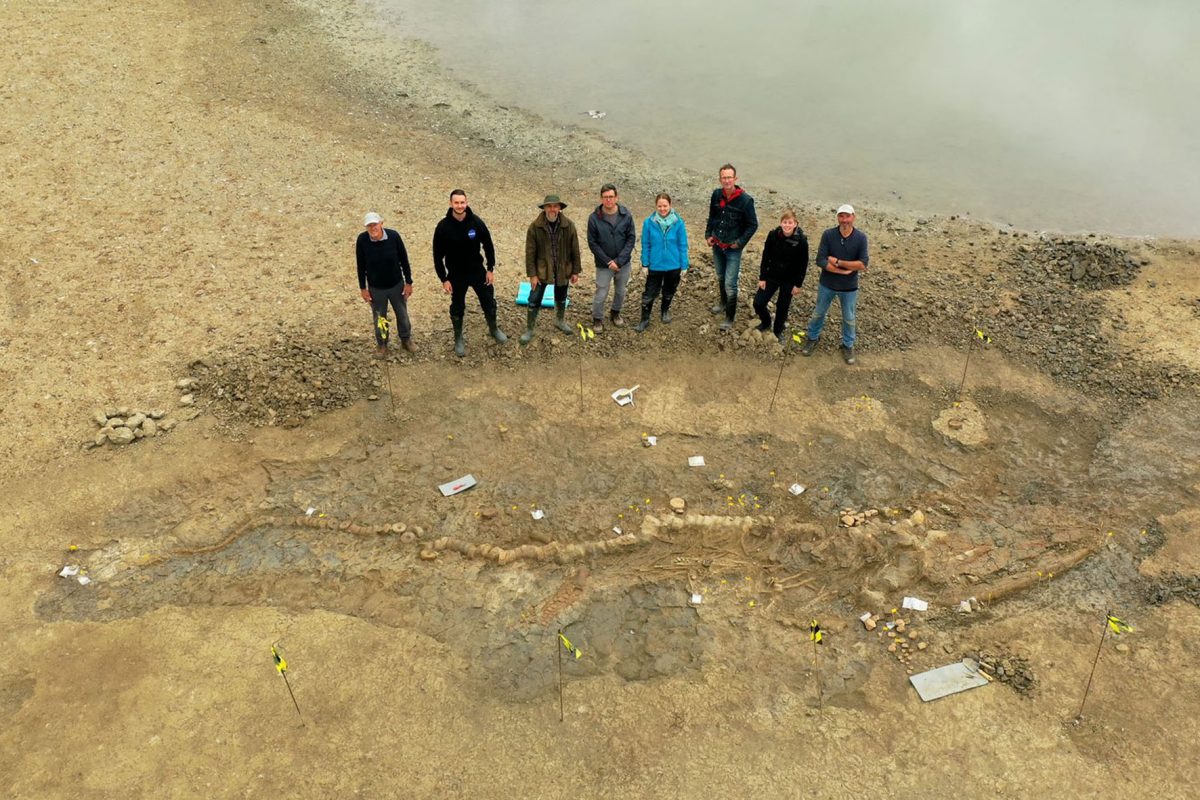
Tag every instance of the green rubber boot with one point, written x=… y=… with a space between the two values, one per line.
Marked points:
x=460 y=343
x=530 y=321
x=560 y=313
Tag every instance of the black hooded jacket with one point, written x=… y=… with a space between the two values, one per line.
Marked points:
x=457 y=248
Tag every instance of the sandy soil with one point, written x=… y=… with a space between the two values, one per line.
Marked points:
x=183 y=185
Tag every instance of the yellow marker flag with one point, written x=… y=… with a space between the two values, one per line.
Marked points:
x=572 y=649
x=798 y=336
x=280 y=664
x=585 y=332
x=382 y=324
x=1118 y=626
x=814 y=633
x=982 y=336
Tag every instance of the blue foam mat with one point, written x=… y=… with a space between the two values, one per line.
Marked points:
x=547 y=299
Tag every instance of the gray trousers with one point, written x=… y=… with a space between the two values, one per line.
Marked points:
x=604 y=278
x=379 y=308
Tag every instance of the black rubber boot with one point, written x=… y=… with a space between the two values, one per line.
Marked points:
x=665 y=311
x=530 y=321
x=460 y=344
x=560 y=313
x=730 y=313
x=645 y=322
x=493 y=328
x=720 y=306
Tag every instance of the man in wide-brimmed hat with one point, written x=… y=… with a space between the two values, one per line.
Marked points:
x=551 y=256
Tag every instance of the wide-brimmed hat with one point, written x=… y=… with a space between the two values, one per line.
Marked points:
x=552 y=198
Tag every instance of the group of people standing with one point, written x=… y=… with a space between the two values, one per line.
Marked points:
x=465 y=258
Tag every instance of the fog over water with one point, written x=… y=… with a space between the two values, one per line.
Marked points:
x=1054 y=115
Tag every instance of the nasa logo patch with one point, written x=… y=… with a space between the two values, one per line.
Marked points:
x=471 y=233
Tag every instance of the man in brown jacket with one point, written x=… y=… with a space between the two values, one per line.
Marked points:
x=551 y=256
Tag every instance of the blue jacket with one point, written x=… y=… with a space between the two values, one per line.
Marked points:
x=663 y=251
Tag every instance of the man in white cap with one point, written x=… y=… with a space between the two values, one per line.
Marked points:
x=384 y=276
x=841 y=255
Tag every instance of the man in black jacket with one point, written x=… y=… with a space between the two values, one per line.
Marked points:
x=610 y=237
x=731 y=224
x=384 y=276
x=457 y=242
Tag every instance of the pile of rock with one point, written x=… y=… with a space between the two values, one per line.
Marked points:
x=1013 y=670
x=288 y=379
x=121 y=425
x=849 y=518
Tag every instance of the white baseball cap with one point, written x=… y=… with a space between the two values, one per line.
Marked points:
x=371 y=219
x=845 y=208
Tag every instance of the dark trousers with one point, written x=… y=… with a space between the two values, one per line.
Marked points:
x=536 y=294
x=458 y=294
x=763 y=296
x=379 y=309
x=666 y=281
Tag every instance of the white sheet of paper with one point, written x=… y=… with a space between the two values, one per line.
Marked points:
x=84 y=580
x=796 y=489
x=651 y=441
x=538 y=514
x=454 y=487
x=310 y=511
x=916 y=604
x=697 y=599
x=69 y=572
x=695 y=461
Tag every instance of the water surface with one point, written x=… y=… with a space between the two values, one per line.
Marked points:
x=1060 y=114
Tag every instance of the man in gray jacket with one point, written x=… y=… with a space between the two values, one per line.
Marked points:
x=610 y=237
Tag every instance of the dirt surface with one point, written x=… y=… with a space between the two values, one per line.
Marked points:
x=184 y=184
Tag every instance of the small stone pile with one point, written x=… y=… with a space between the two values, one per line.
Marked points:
x=1013 y=670
x=849 y=518
x=902 y=642
x=122 y=425
x=1092 y=265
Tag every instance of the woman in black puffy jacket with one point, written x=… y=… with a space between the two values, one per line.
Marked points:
x=784 y=265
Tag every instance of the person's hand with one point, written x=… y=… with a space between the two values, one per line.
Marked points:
x=407 y=290
x=533 y=281
x=734 y=246
x=366 y=295
x=762 y=284
x=446 y=287
x=645 y=271
x=795 y=291
x=575 y=279
x=613 y=266
x=490 y=278
x=711 y=241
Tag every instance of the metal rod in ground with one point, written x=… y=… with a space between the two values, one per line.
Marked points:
x=817 y=673
x=288 y=684
x=558 y=649
x=777 y=380
x=1095 y=661
x=387 y=373
x=963 y=382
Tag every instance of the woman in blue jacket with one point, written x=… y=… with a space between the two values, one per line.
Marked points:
x=664 y=255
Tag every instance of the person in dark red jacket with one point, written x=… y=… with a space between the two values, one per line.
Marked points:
x=731 y=224
x=784 y=265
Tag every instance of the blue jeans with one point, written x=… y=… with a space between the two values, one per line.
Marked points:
x=847 y=300
x=727 y=264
